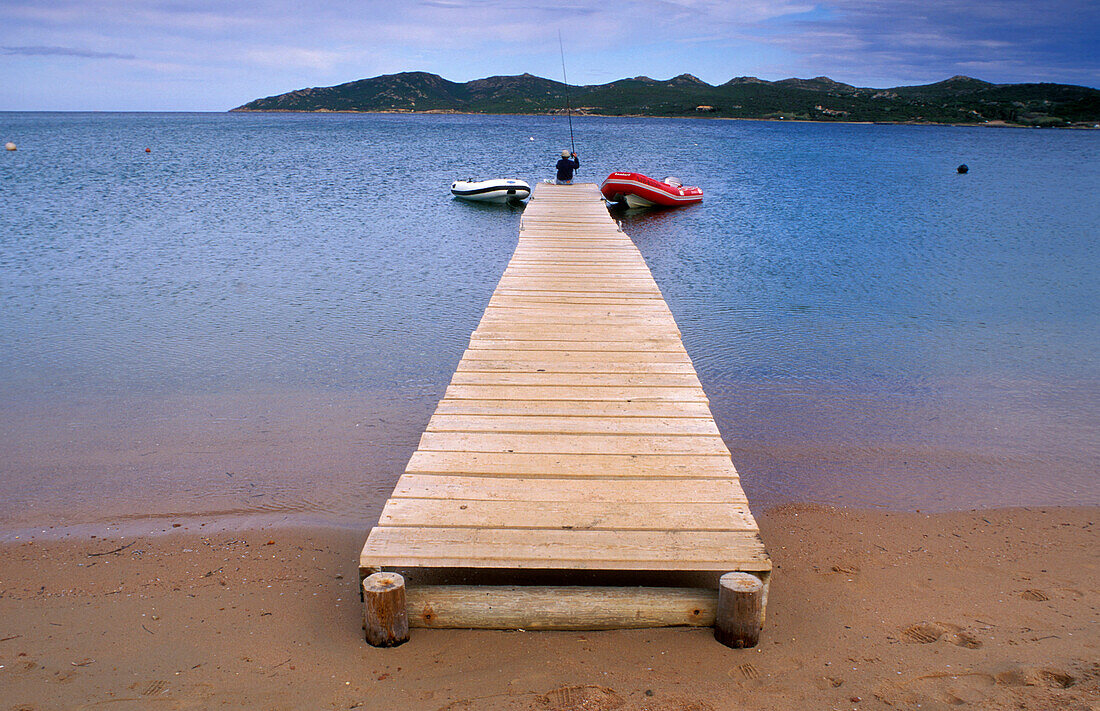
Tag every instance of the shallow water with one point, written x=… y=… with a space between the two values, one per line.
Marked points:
x=283 y=298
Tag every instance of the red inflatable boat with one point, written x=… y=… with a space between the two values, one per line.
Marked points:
x=638 y=190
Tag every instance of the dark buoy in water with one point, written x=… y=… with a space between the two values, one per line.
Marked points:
x=962 y=169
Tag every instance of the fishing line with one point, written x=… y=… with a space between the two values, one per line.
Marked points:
x=568 y=110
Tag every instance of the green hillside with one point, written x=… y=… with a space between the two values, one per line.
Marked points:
x=955 y=100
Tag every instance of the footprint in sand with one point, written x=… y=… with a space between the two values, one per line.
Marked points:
x=748 y=671
x=1047 y=677
x=1035 y=595
x=828 y=682
x=929 y=632
x=155 y=687
x=588 y=697
x=929 y=690
x=922 y=633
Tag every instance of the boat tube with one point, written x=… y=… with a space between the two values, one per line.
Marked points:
x=495 y=190
x=638 y=190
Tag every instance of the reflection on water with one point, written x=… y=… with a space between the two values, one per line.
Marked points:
x=871 y=327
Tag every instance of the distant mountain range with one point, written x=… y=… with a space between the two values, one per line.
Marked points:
x=956 y=100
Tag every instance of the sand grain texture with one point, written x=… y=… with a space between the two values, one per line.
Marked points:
x=869 y=610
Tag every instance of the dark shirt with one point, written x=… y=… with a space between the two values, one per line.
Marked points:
x=566 y=168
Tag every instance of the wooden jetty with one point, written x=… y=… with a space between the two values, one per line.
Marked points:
x=572 y=477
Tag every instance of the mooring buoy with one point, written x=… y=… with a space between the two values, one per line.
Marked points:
x=9 y=146
x=148 y=150
x=963 y=168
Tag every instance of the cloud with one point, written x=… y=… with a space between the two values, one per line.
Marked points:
x=46 y=51
x=292 y=57
x=1016 y=40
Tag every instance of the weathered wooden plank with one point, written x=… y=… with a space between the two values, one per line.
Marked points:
x=572 y=365
x=573 y=515
x=534 y=309
x=562 y=465
x=560 y=358
x=570 y=332
x=543 y=301
x=578 y=296
x=640 y=345
x=541 y=258
x=563 y=549
x=622 y=409
x=574 y=392
x=543 y=424
x=652 y=380
x=559 y=607
x=633 y=286
x=496 y=320
x=537 y=443
x=609 y=490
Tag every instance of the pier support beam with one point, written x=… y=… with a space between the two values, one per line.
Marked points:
x=740 y=605
x=385 y=617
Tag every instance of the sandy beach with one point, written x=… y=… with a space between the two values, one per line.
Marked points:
x=992 y=609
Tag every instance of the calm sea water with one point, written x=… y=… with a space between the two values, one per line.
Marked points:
x=256 y=317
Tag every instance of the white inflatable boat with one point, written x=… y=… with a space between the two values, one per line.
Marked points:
x=496 y=190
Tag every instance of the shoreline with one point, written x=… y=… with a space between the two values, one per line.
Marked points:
x=160 y=525
x=448 y=112
x=869 y=610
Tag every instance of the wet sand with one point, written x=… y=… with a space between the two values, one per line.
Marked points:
x=991 y=609
x=317 y=458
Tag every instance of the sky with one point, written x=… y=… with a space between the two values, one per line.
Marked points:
x=206 y=55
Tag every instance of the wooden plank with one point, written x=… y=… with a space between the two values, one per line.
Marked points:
x=573 y=465
x=561 y=358
x=609 y=490
x=579 y=296
x=530 y=309
x=573 y=392
x=578 y=408
x=640 y=345
x=651 y=380
x=563 y=365
x=577 y=314
x=573 y=515
x=531 y=258
x=570 y=332
x=542 y=300
x=563 y=549
x=549 y=283
x=607 y=275
x=537 y=443
x=563 y=321
x=559 y=607
x=543 y=424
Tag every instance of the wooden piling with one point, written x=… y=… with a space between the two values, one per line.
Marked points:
x=740 y=603
x=385 y=617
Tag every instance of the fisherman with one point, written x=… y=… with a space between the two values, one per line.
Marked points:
x=566 y=166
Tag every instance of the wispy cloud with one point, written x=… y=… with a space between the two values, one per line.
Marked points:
x=928 y=39
x=292 y=57
x=48 y=51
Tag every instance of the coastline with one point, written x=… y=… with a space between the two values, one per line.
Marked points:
x=450 y=112
x=869 y=609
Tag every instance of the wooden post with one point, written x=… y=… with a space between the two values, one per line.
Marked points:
x=385 y=618
x=737 y=623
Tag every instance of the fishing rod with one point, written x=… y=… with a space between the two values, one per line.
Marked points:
x=568 y=109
